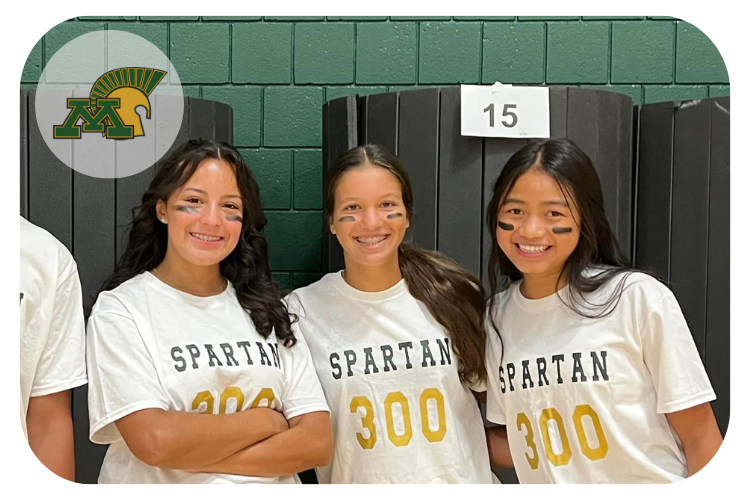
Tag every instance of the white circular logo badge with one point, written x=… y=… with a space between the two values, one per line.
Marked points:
x=109 y=104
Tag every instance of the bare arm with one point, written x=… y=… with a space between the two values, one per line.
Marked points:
x=699 y=434
x=498 y=447
x=181 y=440
x=50 y=426
x=480 y=396
x=308 y=443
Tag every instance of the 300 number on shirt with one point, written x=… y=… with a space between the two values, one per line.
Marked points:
x=207 y=399
x=392 y=400
x=549 y=415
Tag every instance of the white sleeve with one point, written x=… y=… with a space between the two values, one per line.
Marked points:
x=302 y=390
x=62 y=364
x=122 y=375
x=670 y=354
x=495 y=397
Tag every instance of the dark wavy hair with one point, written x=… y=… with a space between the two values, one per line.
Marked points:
x=454 y=297
x=597 y=250
x=246 y=267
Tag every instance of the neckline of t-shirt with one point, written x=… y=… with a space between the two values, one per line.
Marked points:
x=179 y=294
x=537 y=305
x=340 y=283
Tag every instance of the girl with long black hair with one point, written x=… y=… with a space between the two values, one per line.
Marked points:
x=397 y=338
x=593 y=371
x=195 y=374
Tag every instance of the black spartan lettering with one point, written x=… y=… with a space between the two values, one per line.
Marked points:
x=176 y=351
x=334 y=358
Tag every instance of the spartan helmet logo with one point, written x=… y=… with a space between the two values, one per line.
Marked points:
x=131 y=86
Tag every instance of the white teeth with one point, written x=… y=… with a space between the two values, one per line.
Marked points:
x=532 y=248
x=205 y=238
x=371 y=241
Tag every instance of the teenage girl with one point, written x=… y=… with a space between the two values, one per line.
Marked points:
x=592 y=368
x=195 y=375
x=397 y=338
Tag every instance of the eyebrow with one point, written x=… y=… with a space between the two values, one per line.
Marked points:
x=560 y=203
x=354 y=198
x=204 y=193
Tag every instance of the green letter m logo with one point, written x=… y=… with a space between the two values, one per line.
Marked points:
x=106 y=120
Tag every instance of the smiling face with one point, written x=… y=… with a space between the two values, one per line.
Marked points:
x=204 y=216
x=537 y=228
x=369 y=217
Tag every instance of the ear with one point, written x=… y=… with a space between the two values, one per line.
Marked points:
x=330 y=225
x=161 y=211
x=408 y=223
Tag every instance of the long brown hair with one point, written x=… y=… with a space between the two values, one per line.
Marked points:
x=454 y=297
x=246 y=267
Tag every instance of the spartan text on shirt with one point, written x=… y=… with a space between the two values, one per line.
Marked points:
x=404 y=355
x=597 y=370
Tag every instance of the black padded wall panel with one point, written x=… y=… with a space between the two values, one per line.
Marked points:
x=50 y=183
x=460 y=186
x=24 y=177
x=419 y=122
x=682 y=221
x=717 y=291
x=379 y=119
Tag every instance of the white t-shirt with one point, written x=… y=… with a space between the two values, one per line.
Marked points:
x=153 y=346
x=399 y=411
x=52 y=329
x=584 y=400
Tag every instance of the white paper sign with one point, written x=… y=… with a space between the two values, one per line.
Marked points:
x=504 y=111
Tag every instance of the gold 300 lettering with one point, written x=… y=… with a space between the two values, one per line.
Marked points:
x=231 y=392
x=397 y=401
x=562 y=458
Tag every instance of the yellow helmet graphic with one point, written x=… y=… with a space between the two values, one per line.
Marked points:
x=131 y=86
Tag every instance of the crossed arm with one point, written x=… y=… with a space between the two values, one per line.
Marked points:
x=308 y=443
x=224 y=443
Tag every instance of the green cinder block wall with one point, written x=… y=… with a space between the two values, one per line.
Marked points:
x=276 y=72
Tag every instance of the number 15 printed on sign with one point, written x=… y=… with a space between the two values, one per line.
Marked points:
x=504 y=111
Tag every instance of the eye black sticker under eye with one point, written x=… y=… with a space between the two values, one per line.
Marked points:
x=234 y=218
x=393 y=216
x=562 y=230
x=347 y=218
x=505 y=226
x=186 y=209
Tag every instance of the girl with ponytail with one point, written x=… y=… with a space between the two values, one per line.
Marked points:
x=195 y=374
x=396 y=337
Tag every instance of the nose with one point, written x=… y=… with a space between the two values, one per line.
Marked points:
x=371 y=218
x=532 y=228
x=211 y=215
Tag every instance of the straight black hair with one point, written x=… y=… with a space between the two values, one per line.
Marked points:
x=597 y=258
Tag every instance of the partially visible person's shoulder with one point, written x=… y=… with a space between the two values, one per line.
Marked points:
x=40 y=245
x=125 y=295
x=310 y=293
x=638 y=284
